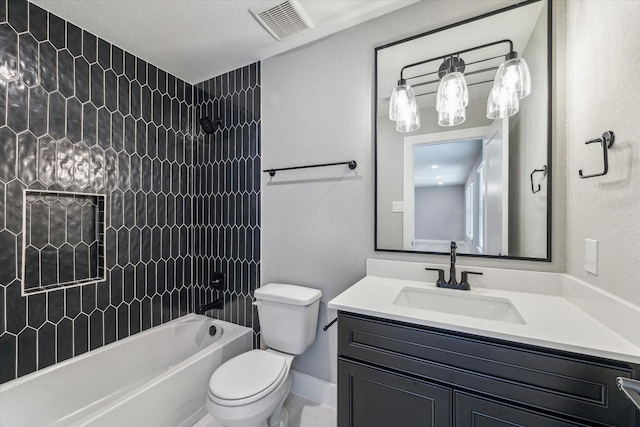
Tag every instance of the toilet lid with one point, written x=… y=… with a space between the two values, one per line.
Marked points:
x=254 y=373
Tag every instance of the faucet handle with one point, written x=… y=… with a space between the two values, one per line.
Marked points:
x=464 y=281
x=440 y=274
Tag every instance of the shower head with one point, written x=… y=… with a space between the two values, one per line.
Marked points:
x=208 y=126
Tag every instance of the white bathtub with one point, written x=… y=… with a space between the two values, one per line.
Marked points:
x=155 y=378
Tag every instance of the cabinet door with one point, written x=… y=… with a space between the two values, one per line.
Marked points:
x=372 y=397
x=479 y=412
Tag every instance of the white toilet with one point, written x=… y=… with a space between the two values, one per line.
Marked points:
x=250 y=389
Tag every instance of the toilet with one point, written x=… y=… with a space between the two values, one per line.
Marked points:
x=250 y=389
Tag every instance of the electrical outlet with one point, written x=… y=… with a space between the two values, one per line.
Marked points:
x=591 y=256
x=398 y=207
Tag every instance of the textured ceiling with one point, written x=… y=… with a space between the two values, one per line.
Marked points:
x=197 y=40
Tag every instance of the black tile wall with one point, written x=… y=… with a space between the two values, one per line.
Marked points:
x=78 y=114
x=227 y=194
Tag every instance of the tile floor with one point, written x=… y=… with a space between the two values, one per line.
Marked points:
x=302 y=413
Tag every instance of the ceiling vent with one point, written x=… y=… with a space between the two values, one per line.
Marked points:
x=282 y=19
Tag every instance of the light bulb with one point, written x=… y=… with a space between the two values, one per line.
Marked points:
x=408 y=123
x=452 y=118
x=452 y=93
x=402 y=102
x=503 y=102
x=514 y=75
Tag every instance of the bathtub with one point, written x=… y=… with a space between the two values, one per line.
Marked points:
x=158 y=377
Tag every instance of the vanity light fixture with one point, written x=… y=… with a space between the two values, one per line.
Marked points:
x=453 y=95
x=511 y=82
x=514 y=75
x=402 y=106
x=502 y=103
x=452 y=118
x=408 y=123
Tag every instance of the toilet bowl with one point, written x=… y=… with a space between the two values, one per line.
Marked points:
x=250 y=389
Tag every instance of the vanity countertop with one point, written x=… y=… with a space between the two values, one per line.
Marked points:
x=552 y=320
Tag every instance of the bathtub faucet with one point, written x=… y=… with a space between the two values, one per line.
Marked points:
x=217 y=303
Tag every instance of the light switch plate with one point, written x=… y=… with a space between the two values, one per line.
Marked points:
x=591 y=256
x=398 y=206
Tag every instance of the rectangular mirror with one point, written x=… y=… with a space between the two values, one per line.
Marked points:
x=462 y=137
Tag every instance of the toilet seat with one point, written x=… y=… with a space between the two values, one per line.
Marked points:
x=247 y=378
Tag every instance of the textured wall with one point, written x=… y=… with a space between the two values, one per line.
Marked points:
x=79 y=114
x=227 y=193
x=603 y=97
x=318 y=225
x=319 y=232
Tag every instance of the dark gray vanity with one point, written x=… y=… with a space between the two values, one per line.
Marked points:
x=400 y=374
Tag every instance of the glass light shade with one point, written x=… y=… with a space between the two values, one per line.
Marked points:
x=503 y=102
x=452 y=93
x=402 y=102
x=514 y=75
x=408 y=123
x=452 y=118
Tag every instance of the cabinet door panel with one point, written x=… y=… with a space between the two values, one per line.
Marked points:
x=478 y=412
x=371 y=397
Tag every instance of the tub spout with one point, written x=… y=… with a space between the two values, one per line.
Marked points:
x=217 y=303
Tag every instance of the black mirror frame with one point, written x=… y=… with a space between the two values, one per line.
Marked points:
x=549 y=135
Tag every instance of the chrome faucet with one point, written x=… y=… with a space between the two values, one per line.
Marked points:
x=453 y=281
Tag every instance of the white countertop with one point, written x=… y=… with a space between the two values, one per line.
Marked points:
x=552 y=320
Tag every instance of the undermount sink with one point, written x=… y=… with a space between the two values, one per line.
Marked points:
x=460 y=303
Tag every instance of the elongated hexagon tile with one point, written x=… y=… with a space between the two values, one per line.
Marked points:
x=99 y=119
x=28 y=54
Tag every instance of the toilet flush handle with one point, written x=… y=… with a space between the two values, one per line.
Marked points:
x=257 y=303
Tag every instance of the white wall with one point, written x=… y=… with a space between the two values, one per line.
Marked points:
x=441 y=212
x=603 y=89
x=472 y=244
x=528 y=211
x=317 y=106
x=390 y=184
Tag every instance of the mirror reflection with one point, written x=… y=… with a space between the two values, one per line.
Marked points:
x=462 y=138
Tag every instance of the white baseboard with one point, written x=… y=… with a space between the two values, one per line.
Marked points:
x=314 y=389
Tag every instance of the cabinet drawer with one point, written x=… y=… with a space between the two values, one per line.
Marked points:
x=552 y=381
x=478 y=412
x=373 y=397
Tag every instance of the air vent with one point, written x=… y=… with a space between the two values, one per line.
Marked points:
x=282 y=19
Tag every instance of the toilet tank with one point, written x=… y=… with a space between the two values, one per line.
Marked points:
x=288 y=316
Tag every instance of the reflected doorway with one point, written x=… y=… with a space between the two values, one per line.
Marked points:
x=456 y=188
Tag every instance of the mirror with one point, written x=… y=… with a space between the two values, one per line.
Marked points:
x=484 y=182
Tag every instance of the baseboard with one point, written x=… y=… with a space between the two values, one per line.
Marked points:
x=193 y=419
x=314 y=389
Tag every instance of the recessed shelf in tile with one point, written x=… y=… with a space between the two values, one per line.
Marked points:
x=63 y=241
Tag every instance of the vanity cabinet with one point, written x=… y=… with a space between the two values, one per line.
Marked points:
x=398 y=374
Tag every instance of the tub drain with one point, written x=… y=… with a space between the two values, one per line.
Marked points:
x=213 y=330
